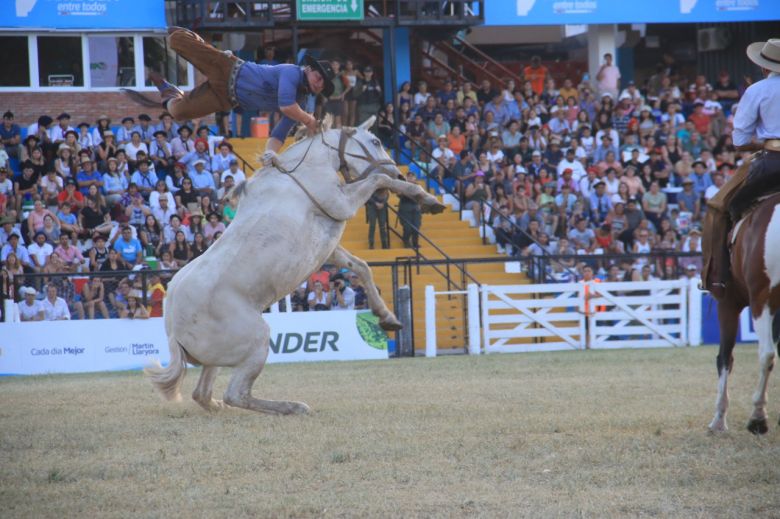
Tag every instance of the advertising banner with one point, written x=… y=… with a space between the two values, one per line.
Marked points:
x=82 y=14
x=574 y=12
x=119 y=344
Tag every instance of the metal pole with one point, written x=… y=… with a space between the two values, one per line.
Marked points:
x=472 y=301
x=430 y=321
x=405 y=335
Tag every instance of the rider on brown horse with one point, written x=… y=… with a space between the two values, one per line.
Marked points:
x=758 y=116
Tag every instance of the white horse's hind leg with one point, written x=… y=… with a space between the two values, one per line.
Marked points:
x=758 y=423
x=343 y=258
x=205 y=388
x=239 y=390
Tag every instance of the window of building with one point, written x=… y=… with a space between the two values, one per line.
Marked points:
x=14 y=61
x=59 y=61
x=111 y=61
x=160 y=58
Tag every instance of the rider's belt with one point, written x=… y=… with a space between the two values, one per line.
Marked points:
x=232 y=81
x=772 y=144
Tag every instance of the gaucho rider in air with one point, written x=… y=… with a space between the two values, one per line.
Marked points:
x=233 y=82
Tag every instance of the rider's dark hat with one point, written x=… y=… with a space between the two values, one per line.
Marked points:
x=325 y=70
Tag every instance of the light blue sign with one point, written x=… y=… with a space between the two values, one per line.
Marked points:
x=82 y=14
x=574 y=12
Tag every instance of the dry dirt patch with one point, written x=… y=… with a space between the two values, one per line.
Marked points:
x=570 y=434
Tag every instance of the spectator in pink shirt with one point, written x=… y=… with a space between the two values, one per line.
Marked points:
x=71 y=256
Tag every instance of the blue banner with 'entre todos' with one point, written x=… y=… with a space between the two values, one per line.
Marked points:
x=82 y=14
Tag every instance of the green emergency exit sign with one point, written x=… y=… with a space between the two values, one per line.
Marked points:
x=329 y=10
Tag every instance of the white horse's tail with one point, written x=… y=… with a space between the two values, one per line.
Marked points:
x=168 y=380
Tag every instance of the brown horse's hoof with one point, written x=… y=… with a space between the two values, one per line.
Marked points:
x=390 y=324
x=758 y=426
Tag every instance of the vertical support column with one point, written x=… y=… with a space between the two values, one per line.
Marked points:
x=430 y=321
x=694 y=313
x=405 y=336
x=397 y=60
x=601 y=39
x=472 y=302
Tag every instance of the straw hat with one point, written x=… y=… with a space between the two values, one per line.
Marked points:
x=765 y=54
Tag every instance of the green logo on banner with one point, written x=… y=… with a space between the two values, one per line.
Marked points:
x=368 y=326
x=330 y=10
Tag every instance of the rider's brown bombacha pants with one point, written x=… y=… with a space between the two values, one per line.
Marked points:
x=212 y=95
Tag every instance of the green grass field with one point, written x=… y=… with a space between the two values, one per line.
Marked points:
x=570 y=434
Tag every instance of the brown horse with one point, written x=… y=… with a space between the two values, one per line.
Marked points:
x=755 y=273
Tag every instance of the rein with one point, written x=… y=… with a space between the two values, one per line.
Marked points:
x=344 y=169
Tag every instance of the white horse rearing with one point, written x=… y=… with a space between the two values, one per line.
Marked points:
x=286 y=226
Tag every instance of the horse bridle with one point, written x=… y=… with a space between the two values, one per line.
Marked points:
x=344 y=169
x=373 y=164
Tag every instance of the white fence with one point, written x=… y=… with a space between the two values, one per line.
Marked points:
x=521 y=318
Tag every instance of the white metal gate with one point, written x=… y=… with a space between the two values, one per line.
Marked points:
x=520 y=318
x=533 y=317
x=639 y=315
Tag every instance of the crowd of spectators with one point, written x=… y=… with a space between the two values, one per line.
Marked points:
x=569 y=169
x=580 y=168
x=89 y=200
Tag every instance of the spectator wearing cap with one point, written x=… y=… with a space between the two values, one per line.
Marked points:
x=581 y=236
x=558 y=124
x=57 y=133
x=125 y=132
x=161 y=154
x=202 y=180
x=9 y=226
x=688 y=200
x=88 y=176
x=368 y=94
x=84 y=137
x=26 y=185
x=107 y=148
x=167 y=125
x=164 y=210
x=71 y=196
x=11 y=135
x=201 y=153
x=30 y=309
x=15 y=246
x=183 y=143
x=566 y=179
x=701 y=178
x=144 y=178
x=145 y=128
x=133 y=147
x=221 y=161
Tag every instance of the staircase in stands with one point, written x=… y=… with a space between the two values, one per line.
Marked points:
x=453 y=236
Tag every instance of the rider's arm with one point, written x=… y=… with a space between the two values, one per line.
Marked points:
x=746 y=120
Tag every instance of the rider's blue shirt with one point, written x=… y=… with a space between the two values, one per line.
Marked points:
x=266 y=88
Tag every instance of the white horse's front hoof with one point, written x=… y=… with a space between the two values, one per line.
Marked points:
x=718 y=425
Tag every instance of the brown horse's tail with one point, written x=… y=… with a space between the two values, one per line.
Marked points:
x=168 y=380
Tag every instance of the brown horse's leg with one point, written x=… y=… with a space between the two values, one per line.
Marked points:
x=758 y=423
x=728 y=319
